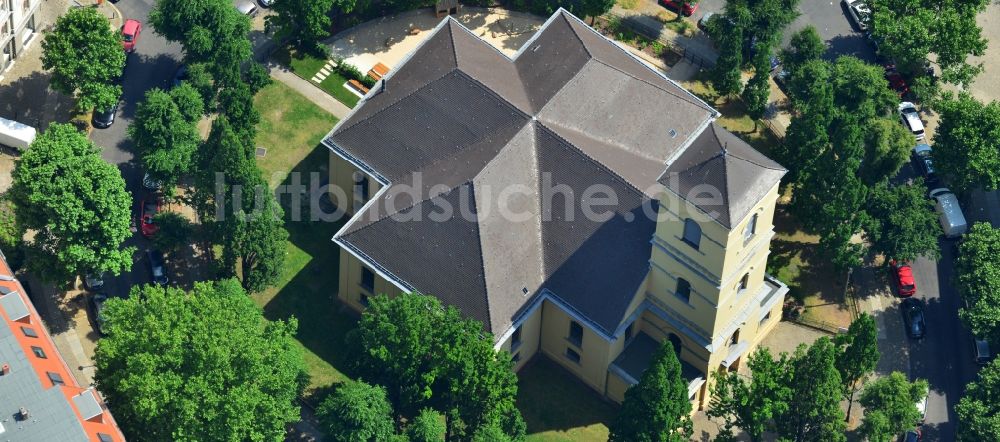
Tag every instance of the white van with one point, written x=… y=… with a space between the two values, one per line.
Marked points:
x=16 y=135
x=949 y=213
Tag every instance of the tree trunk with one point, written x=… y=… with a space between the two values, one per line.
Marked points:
x=850 y=401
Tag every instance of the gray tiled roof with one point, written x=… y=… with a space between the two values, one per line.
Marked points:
x=51 y=418
x=571 y=109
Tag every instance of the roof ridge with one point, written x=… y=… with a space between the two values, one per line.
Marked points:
x=482 y=262
x=755 y=163
x=563 y=13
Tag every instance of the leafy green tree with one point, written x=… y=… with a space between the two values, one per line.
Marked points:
x=174 y=231
x=808 y=133
x=165 y=138
x=891 y=400
x=490 y=433
x=211 y=31
x=255 y=239
x=966 y=143
x=758 y=89
x=201 y=365
x=908 y=31
x=752 y=405
x=304 y=22
x=860 y=91
x=887 y=149
x=813 y=412
x=905 y=225
x=356 y=412
x=979 y=410
x=428 y=426
x=237 y=104
x=658 y=407
x=86 y=58
x=200 y=78
x=76 y=204
x=978 y=271
x=858 y=355
x=223 y=157
x=257 y=77
x=725 y=76
x=805 y=46
x=427 y=355
x=189 y=102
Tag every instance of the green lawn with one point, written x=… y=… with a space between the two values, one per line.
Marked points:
x=291 y=128
x=558 y=407
x=305 y=66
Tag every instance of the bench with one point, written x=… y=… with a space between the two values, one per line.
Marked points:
x=378 y=71
x=358 y=86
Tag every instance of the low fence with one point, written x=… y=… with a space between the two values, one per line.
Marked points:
x=823 y=326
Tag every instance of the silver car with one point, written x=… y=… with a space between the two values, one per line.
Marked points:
x=246 y=7
x=859 y=12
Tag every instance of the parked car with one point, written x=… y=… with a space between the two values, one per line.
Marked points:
x=684 y=8
x=150 y=207
x=896 y=81
x=180 y=75
x=906 y=286
x=911 y=119
x=266 y=3
x=859 y=12
x=103 y=119
x=913 y=318
x=93 y=281
x=157 y=267
x=130 y=34
x=781 y=79
x=150 y=183
x=981 y=350
x=911 y=436
x=922 y=154
x=949 y=212
x=16 y=135
x=246 y=7
x=97 y=310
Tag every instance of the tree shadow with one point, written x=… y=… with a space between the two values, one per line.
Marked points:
x=553 y=399
x=29 y=100
x=855 y=45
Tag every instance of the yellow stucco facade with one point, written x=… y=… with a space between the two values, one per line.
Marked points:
x=711 y=299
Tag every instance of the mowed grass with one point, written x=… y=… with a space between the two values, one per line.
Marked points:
x=306 y=66
x=291 y=128
x=558 y=407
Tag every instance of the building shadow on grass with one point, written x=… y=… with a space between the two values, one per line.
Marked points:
x=553 y=399
x=308 y=288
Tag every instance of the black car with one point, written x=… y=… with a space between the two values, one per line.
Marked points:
x=181 y=75
x=97 y=309
x=913 y=318
x=105 y=118
x=157 y=267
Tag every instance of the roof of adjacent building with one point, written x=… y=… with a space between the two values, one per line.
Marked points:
x=33 y=366
x=459 y=123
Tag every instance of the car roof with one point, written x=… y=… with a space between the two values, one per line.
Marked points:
x=905 y=274
x=130 y=25
x=922 y=148
x=982 y=346
x=914 y=121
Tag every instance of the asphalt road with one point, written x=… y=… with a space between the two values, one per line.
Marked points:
x=151 y=65
x=830 y=19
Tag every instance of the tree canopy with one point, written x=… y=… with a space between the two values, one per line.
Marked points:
x=211 y=32
x=979 y=410
x=428 y=426
x=304 y=22
x=967 y=143
x=166 y=137
x=806 y=45
x=813 y=412
x=356 y=412
x=904 y=223
x=658 y=407
x=201 y=365
x=891 y=406
x=747 y=29
x=858 y=354
x=978 y=280
x=908 y=31
x=75 y=202
x=86 y=58
x=752 y=405
x=428 y=355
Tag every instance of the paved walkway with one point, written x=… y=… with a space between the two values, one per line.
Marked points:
x=310 y=91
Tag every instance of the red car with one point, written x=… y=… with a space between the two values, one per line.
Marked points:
x=896 y=80
x=130 y=34
x=906 y=285
x=150 y=207
x=687 y=8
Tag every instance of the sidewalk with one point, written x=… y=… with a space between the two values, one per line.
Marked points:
x=644 y=14
x=66 y=317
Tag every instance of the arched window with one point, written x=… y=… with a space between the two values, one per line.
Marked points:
x=744 y=283
x=675 y=341
x=683 y=290
x=750 y=229
x=692 y=233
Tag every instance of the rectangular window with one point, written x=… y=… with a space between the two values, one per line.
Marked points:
x=515 y=339
x=692 y=233
x=572 y=355
x=628 y=331
x=29 y=332
x=744 y=283
x=38 y=352
x=750 y=229
x=575 y=333
x=363 y=299
x=55 y=378
x=367 y=279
